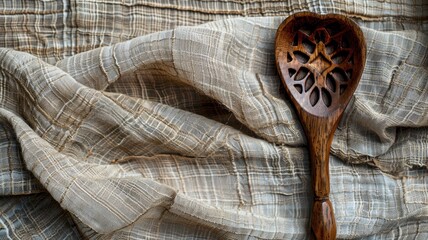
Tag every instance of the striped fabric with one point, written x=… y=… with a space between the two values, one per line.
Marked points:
x=167 y=120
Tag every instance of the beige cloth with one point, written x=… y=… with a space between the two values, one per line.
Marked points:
x=186 y=133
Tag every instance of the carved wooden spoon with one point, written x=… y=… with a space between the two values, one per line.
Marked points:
x=320 y=59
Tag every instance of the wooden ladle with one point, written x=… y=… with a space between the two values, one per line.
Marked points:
x=320 y=59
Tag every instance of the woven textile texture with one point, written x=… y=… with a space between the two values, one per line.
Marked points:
x=167 y=120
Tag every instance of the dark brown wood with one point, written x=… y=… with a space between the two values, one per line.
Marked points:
x=320 y=59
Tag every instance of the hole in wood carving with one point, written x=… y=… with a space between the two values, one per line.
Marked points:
x=331 y=47
x=343 y=88
x=289 y=58
x=295 y=40
x=351 y=60
x=319 y=36
x=291 y=72
x=345 y=43
x=298 y=87
x=310 y=81
x=306 y=30
x=339 y=57
x=333 y=28
x=302 y=73
x=349 y=73
x=301 y=57
x=326 y=97
x=314 y=97
x=339 y=75
x=309 y=46
x=331 y=83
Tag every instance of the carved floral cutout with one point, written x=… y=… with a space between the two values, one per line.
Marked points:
x=320 y=63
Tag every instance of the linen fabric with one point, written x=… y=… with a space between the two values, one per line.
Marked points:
x=168 y=120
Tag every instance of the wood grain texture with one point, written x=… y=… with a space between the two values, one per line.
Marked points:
x=320 y=59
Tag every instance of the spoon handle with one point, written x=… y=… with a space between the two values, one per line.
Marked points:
x=320 y=132
x=323 y=224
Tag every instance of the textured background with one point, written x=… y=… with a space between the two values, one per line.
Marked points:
x=130 y=120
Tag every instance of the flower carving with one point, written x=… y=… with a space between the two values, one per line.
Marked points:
x=320 y=63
